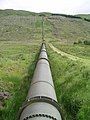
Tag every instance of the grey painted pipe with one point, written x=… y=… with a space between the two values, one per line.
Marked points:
x=41 y=101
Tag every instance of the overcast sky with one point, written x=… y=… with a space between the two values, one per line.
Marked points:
x=55 y=6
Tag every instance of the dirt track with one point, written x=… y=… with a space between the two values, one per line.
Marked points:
x=72 y=57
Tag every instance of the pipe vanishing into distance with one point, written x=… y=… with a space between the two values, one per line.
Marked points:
x=41 y=102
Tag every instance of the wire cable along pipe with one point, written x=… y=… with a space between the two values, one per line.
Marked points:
x=41 y=102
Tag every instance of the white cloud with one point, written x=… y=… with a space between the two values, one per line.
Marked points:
x=56 y=6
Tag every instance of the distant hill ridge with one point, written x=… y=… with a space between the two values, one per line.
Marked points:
x=24 y=25
x=84 y=17
x=6 y=12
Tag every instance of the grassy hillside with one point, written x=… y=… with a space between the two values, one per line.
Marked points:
x=87 y=16
x=69 y=30
x=20 y=40
x=18 y=28
x=14 y=12
x=17 y=62
x=72 y=83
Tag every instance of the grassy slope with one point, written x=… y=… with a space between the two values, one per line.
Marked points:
x=14 y=12
x=82 y=51
x=71 y=78
x=72 y=86
x=20 y=38
x=69 y=30
x=19 y=46
x=87 y=16
x=16 y=68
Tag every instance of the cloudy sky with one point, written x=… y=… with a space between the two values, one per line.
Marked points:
x=55 y=6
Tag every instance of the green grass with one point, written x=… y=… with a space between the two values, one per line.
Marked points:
x=69 y=30
x=20 y=39
x=82 y=51
x=72 y=80
x=17 y=63
x=14 y=12
x=72 y=83
x=87 y=16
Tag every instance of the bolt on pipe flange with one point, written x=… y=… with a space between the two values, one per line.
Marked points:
x=40 y=115
x=39 y=99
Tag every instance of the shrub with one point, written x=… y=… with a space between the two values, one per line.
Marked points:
x=75 y=43
x=79 y=42
x=87 y=42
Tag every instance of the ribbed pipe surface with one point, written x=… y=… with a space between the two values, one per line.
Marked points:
x=41 y=101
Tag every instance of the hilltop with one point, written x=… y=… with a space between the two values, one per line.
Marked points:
x=16 y=25
x=7 y=12
x=87 y=16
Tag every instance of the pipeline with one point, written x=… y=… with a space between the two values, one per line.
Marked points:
x=41 y=102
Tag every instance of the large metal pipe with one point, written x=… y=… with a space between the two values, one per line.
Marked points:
x=41 y=102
